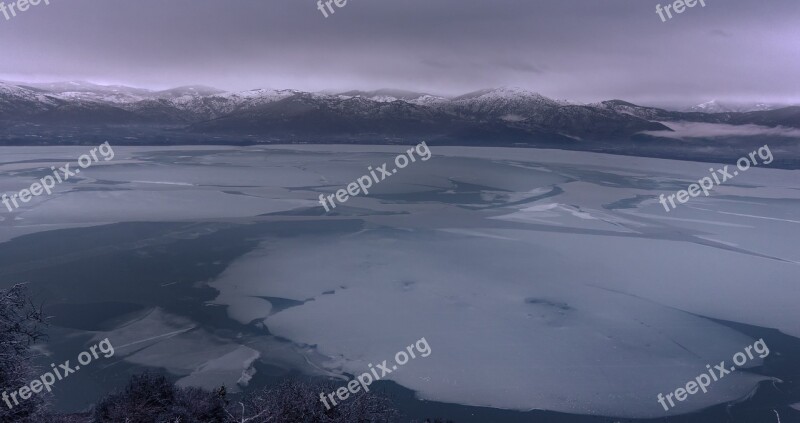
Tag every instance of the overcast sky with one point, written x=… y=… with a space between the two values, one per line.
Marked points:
x=583 y=50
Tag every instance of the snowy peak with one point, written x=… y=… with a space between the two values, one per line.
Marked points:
x=188 y=90
x=508 y=97
x=87 y=91
x=715 y=106
x=27 y=99
x=712 y=106
x=509 y=104
x=503 y=93
x=389 y=95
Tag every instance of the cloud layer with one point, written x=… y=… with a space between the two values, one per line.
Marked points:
x=582 y=50
x=683 y=130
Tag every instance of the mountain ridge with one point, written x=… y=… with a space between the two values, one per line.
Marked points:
x=55 y=113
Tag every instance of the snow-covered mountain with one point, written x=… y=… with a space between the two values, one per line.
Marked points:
x=389 y=95
x=510 y=115
x=502 y=103
x=187 y=91
x=715 y=106
x=86 y=91
x=22 y=101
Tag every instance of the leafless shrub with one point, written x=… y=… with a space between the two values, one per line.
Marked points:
x=152 y=398
x=21 y=324
x=299 y=402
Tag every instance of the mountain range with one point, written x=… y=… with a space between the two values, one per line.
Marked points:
x=715 y=106
x=81 y=112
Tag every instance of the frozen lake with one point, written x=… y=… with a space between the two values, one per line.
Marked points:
x=542 y=279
